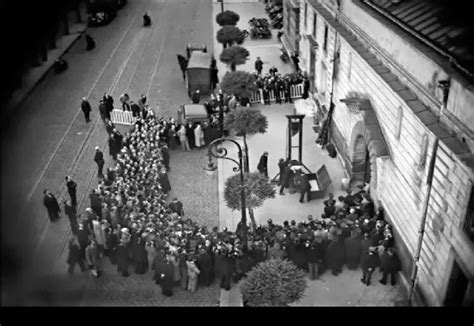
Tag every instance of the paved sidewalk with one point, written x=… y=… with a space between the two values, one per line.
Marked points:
x=36 y=74
x=267 y=50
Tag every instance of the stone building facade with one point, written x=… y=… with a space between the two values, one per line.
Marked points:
x=402 y=122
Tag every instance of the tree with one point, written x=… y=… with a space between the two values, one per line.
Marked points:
x=227 y=18
x=240 y=83
x=273 y=283
x=234 y=55
x=246 y=121
x=257 y=189
x=228 y=35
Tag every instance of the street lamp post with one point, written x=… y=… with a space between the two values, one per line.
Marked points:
x=220 y=152
x=222 y=5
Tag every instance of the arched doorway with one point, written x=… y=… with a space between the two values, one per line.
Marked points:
x=360 y=162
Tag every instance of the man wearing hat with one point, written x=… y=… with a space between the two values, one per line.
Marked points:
x=86 y=109
x=99 y=159
x=52 y=205
x=262 y=166
x=390 y=264
x=176 y=207
x=369 y=264
x=353 y=250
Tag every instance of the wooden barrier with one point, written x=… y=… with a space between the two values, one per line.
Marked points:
x=296 y=91
x=122 y=117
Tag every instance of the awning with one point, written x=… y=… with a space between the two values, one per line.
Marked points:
x=373 y=134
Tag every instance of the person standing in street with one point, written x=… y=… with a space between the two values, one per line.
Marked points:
x=70 y=211
x=193 y=272
x=90 y=43
x=259 y=65
x=103 y=110
x=214 y=77
x=52 y=205
x=369 y=264
x=93 y=259
x=86 y=109
x=306 y=86
x=353 y=249
x=99 y=159
x=262 y=166
x=75 y=257
x=71 y=189
x=390 y=264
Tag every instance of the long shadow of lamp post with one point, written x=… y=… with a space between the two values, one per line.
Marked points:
x=221 y=153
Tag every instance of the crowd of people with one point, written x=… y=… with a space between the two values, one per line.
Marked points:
x=130 y=222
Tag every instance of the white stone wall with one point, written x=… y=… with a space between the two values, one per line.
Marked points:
x=418 y=70
x=446 y=213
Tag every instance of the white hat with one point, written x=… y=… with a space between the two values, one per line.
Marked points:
x=97 y=147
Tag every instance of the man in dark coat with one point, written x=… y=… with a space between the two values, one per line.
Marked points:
x=281 y=167
x=335 y=256
x=214 y=77
x=259 y=65
x=190 y=135
x=164 y=181
x=266 y=95
x=204 y=264
x=86 y=108
x=273 y=70
x=96 y=203
x=71 y=189
x=114 y=148
x=135 y=109
x=139 y=254
x=70 y=211
x=99 y=159
x=285 y=181
x=183 y=63
x=166 y=156
x=51 y=205
x=75 y=257
x=306 y=86
x=176 y=207
x=287 y=91
x=166 y=279
x=222 y=269
x=390 y=264
x=109 y=102
x=302 y=182
x=353 y=248
x=122 y=255
x=90 y=43
x=369 y=264
x=262 y=166
x=83 y=238
x=103 y=110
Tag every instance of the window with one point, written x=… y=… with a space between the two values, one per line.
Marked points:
x=305 y=13
x=349 y=66
x=325 y=43
x=423 y=152
x=399 y=122
x=315 y=20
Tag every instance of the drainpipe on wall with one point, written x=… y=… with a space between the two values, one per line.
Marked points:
x=421 y=231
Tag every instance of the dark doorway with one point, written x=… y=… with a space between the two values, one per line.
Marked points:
x=359 y=161
x=458 y=294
